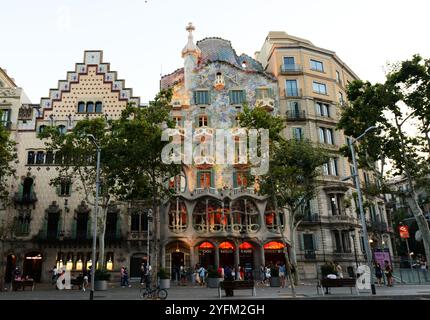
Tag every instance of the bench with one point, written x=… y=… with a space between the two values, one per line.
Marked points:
x=21 y=284
x=337 y=283
x=237 y=285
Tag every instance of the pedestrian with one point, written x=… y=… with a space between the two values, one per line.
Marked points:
x=121 y=274
x=378 y=273
x=183 y=274
x=85 y=281
x=268 y=275
x=126 y=283
x=263 y=275
x=339 y=270
x=196 y=274
x=242 y=273
x=282 y=273
x=54 y=275
x=202 y=275
x=228 y=276
x=423 y=264
x=388 y=274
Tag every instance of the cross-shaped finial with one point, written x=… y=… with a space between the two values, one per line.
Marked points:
x=190 y=27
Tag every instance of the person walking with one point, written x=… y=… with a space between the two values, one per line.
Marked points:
x=339 y=270
x=262 y=275
x=202 y=275
x=388 y=274
x=54 y=275
x=121 y=274
x=126 y=283
x=378 y=273
x=282 y=273
x=228 y=276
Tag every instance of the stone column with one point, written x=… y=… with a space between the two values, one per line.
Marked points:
x=192 y=257
x=216 y=256
x=236 y=255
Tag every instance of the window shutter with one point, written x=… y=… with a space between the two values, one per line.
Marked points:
x=208 y=97
x=195 y=97
x=60 y=223
x=230 y=96
x=316 y=241
x=301 y=242
x=58 y=188
x=89 y=229
x=198 y=179
x=118 y=225
x=44 y=232
x=74 y=228
x=270 y=92
x=20 y=190
x=243 y=96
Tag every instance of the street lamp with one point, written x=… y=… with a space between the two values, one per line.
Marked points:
x=360 y=203
x=94 y=264
x=352 y=230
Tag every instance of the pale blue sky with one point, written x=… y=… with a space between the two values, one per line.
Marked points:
x=42 y=40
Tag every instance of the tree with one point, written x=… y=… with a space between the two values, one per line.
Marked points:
x=138 y=170
x=76 y=157
x=292 y=181
x=8 y=157
x=403 y=99
x=292 y=177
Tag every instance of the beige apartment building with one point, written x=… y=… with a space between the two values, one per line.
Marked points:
x=312 y=88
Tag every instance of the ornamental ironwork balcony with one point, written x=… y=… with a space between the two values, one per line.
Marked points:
x=296 y=115
x=25 y=198
x=310 y=254
x=311 y=218
x=291 y=69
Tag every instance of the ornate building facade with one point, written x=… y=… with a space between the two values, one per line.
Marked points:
x=216 y=218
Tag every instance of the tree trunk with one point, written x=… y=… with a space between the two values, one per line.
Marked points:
x=293 y=250
x=2 y=265
x=102 y=238
x=413 y=200
x=155 y=242
x=421 y=221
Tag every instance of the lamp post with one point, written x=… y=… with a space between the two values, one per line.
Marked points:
x=149 y=219
x=352 y=230
x=360 y=203
x=94 y=264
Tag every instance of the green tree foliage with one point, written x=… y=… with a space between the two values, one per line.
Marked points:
x=7 y=157
x=403 y=99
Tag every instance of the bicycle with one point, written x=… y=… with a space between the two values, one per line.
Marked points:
x=149 y=293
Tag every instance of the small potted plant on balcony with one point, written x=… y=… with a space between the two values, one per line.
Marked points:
x=274 y=277
x=164 y=277
x=101 y=279
x=214 y=278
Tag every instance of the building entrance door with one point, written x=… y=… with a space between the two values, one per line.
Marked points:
x=33 y=266
x=226 y=254
x=136 y=261
x=10 y=267
x=206 y=255
x=178 y=260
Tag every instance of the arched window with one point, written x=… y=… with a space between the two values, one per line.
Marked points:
x=90 y=107
x=31 y=157
x=177 y=216
x=272 y=221
x=245 y=216
x=81 y=107
x=98 y=107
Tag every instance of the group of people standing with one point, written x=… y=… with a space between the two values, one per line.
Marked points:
x=266 y=272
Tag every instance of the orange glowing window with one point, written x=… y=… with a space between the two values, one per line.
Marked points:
x=226 y=245
x=206 y=245
x=274 y=245
x=245 y=246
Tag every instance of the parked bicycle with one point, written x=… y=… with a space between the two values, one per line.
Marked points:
x=153 y=293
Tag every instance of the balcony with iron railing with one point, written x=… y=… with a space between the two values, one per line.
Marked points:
x=311 y=218
x=296 y=115
x=25 y=198
x=291 y=69
x=293 y=93
x=310 y=254
x=342 y=218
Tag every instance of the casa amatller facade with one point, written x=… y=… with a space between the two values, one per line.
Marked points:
x=216 y=218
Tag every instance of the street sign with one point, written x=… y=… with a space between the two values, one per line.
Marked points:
x=404 y=232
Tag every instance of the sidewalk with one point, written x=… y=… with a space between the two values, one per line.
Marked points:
x=189 y=292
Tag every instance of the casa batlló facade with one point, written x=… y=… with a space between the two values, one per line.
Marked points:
x=215 y=217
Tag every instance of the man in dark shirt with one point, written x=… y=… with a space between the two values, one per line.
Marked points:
x=228 y=276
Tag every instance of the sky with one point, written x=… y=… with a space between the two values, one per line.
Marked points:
x=42 y=40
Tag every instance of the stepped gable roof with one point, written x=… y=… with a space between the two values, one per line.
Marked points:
x=218 y=49
x=171 y=79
